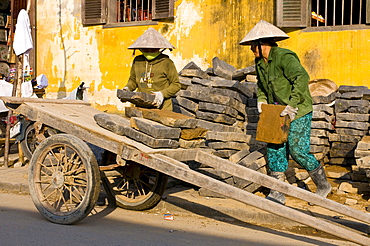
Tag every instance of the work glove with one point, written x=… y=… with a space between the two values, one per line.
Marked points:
x=259 y=106
x=290 y=111
x=158 y=100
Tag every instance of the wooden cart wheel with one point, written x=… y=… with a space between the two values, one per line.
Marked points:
x=30 y=142
x=2 y=137
x=64 y=179
x=133 y=186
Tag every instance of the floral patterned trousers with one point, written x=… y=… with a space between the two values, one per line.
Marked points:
x=298 y=146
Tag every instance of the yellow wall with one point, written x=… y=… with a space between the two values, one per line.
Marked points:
x=68 y=53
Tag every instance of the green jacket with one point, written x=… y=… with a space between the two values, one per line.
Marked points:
x=159 y=74
x=284 y=81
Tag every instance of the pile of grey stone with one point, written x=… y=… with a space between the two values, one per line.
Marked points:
x=223 y=100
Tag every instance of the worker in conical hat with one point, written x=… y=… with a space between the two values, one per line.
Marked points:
x=283 y=80
x=153 y=71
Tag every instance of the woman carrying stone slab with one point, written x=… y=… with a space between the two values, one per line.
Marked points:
x=152 y=71
x=283 y=80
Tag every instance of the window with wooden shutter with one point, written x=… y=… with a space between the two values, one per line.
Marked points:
x=94 y=12
x=163 y=9
x=322 y=13
x=367 y=11
x=292 y=13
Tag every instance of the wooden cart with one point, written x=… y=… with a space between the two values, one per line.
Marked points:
x=64 y=176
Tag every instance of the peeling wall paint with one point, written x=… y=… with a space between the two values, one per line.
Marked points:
x=69 y=53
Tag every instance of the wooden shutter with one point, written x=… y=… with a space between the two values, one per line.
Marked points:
x=367 y=11
x=292 y=13
x=94 y=12
x=163 y=9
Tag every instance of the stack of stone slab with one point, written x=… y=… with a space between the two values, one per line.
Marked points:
x=322 y=125
x=219 y=103
x=225 y=104
x=160 y=125
x=352 y=123
x=152 y=127
x=362 y=154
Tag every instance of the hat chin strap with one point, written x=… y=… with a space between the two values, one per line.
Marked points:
x=260 y=48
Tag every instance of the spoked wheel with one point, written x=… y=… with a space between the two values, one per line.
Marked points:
x=133 y=186
x=64 y=179
x=2 y=136
x=30 y=142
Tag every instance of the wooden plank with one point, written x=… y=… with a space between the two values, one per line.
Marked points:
x=180 y=171
x=272 y=183
x=20 y=100
x=2 y=140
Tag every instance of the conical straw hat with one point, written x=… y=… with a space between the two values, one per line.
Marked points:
x=263 y=29
x=151 y=39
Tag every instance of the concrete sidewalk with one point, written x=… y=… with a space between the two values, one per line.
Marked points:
x=181 y=200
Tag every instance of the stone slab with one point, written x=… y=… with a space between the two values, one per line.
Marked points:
x=150 y=141
x=154 y=129
x=113 y=123
x=214 y=117
x=165 y=117
x=140 y=99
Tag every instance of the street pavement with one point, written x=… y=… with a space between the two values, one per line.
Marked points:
x=183 y=200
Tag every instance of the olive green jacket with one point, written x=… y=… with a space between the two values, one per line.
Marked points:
x=159 y=74
x=283 y=80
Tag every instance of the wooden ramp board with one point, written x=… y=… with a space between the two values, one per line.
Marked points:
x=181 y=171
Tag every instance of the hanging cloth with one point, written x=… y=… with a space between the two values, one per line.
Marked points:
x=22 y=37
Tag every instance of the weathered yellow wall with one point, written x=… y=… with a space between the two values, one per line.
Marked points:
x=68 y=53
